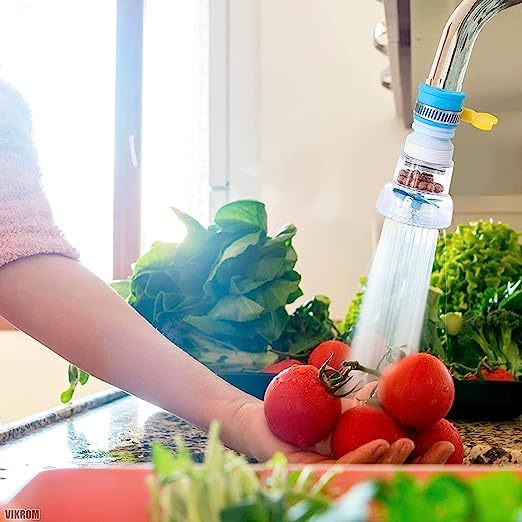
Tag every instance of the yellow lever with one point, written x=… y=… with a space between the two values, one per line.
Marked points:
x=479 y=120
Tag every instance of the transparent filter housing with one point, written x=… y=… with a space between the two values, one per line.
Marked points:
x=418 y=194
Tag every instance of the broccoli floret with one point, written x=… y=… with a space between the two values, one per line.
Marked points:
x=472 y=335
x=505 y=321
x=502 y=324
x=496 y=335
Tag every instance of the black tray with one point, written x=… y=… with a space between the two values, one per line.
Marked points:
x=253 y=383
x=487 y=400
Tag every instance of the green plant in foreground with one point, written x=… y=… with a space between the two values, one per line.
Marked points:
x=224 y=488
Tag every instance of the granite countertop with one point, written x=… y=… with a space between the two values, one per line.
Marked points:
x=113 y=428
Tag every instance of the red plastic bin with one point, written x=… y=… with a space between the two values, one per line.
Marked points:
x=120 y=494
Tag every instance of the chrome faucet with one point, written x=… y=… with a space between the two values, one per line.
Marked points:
x=458 y=38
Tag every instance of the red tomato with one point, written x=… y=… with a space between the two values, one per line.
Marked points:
x=441 y=431
x=279 y=366
x=497 y=375
x=417 y=391
x=360 y=425
x=336 y=349
x=298 y=407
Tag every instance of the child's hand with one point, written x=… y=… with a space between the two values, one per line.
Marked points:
x=251 y=424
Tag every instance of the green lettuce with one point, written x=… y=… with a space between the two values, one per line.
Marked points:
x=221 y=293
x=223 y=290
x=307 y=327
x=476 y=257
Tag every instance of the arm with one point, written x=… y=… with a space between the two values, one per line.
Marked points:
x=65 y=307
x=61 y=304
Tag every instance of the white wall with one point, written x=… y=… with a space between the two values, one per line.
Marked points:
x=32 y=377
x=329 y=135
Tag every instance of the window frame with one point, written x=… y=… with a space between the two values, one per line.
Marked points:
x=234 y=64
x=127 y=136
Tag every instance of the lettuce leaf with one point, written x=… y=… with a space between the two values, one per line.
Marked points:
x=476 y=257
x=223 y=290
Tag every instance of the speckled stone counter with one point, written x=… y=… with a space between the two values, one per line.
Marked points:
x=115 y=429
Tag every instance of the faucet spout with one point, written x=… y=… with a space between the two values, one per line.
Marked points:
x=458 y=38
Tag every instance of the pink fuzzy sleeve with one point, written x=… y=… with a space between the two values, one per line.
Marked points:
x=26 y=223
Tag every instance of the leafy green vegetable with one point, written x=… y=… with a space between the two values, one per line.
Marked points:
x=512 y=297
x=308 y=326
x=223 y=290
x=122 y=288
x=507 y=297
x=490 y=336
x=221 y=293
x=474 y=258
x=493 y=336
x=490 y=497
x=226 y=489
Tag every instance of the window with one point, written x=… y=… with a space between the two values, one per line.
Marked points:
x=175 y=137
x=60 y=54
x=133 y=113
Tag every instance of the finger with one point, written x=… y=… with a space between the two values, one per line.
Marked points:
x=324 y=447
x=439 y=453
x=364 y=393
x=398 y=452
x=346 y=404
x=307 y=457
x=368 y=454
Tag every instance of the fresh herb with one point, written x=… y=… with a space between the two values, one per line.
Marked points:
x=307 y=327
x=75 y=376
x=224 y=488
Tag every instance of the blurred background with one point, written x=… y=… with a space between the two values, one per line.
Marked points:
x=139 y=106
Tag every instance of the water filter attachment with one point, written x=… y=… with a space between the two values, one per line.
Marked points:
x=418 y=195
